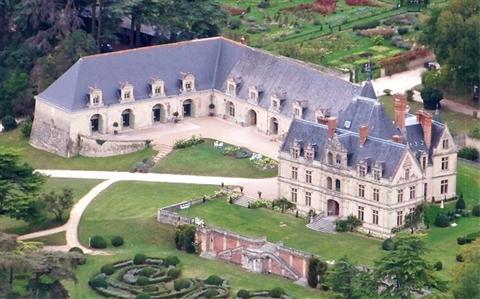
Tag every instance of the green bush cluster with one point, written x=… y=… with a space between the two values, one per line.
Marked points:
x=442 y=220
x=26 y=128
x=184 y=143
x=117 y=241
x=438 y=266
x=98 y=282
x=468 y=238
x=142 y=280
x=185 y=238
x=180 y=284
x=277 y=292
x=476 y=211
x=9 y=123
x=172 y=260
x=174 y=273
x=139 y=259
x=214 y=280
x=210 y=293
x=469 y=153
x=107 y=269
x=98 y=242
x=367 y=25
x=244 y=294
x=349 y=224
x=387 y=244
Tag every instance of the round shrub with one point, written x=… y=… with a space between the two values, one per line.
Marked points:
x=459 y=258
x=98 y=242
x=442 y=220
x=98 y=282
x=181 y=284
x=9 y=123
x=461 y=240
x=244 y=294
x=210 y=293
x=214 y=280
x=117 y=241
x=438 y=266
x=143 y=296
x=172 y=260
x=139 y=259
x=387 y=244
x=174 y=273
x=142 y=281
x=76 y=249
x=460 y=204
x=150 y=288
x=476 y=211
x=108 y=269
x=277 y=292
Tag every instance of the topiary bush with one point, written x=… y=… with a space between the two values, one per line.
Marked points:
x=9 y=123
x=214 y=280
x=442 y=220
x=142 y=280
x=26 y=128
x=438 y=266
x=387 y=244
x=143 y=296
x=139 y=259
x=174 y=273
x=469 y=153
x=98 y=282
x=108 y=269
x=244 y=294
x=476 y=211
x=460 y=204
x=172 y=260
x=211 y=293
x=277 y=292
x=98 y=242
x=76 y=249
x=461 y=240
x=181 y=284
x=117 y=241
x=459 y=258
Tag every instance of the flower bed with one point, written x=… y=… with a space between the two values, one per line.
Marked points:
x=152 y=277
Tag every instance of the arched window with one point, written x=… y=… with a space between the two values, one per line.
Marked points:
x=329 y=183
x=337 y=185
x=330 y=158
x=338 y=160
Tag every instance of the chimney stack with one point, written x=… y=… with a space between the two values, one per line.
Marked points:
x=332 y=126
x=425 y=119
x=363 y=134
x=400 y=106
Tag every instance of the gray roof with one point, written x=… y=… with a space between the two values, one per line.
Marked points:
x=368 y=91
x=211 y=61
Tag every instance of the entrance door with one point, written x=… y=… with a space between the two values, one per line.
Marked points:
x=273 y=126
x=94 y=123
x=333 y=208
x=156 y=114
x=252 y=118
x=187 y=108
x=126 y=119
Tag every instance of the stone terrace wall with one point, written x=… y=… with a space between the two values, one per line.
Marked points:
x=92 y=147
x=51 y=138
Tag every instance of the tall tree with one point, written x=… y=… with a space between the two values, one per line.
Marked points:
x=467 y=274
x=58 y=203
x=349 y=281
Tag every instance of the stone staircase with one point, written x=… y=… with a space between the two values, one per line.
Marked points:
x=244 y=200
x=163 y=150
x=323 y=224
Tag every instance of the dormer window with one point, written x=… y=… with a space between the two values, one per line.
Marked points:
x=253 y=94
x=95 y=97
x=445 y=143
x=298 y=107
x=126 y=92
x=377 y=175
x=309 y=153
x=338 y=160
x=157 y=87
x=188 y=82
x=362 y=171
x=298 y=113
x=295 y=151
x=232 y=84
x=407 y=173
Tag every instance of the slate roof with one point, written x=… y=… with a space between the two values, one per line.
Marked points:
x=211 y=61
x=368 y=91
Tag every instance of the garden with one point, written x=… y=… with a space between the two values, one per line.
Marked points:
x=197 y=156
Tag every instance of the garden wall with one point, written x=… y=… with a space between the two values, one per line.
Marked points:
x=92 y=147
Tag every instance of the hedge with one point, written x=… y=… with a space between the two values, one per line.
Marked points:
x=469 y=153
x=143 y=296
x=244 y=294
x=142 y=281
x=98 y=242
x=476 y=211
x=277 y=292
x=442 y=220
x=9 y=123
x=98 y=282
x=174 y=273
x=139 y=259
x=387 y=244
x=76 y=249
x=172 y=260
x=211 y=293
x=214 y=280
x=117 y=241
x=438 y=266
x=180 y=284
x=108 y=269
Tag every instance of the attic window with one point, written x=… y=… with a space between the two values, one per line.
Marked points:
x=445 y=143
x=158 y=87
x=231 y=90
x=347 y=124
x=377 y=175
x=362 y=171
x=126 y=91
x=95 y=97
x=253 y=95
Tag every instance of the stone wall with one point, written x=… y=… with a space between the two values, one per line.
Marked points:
x=92 y=147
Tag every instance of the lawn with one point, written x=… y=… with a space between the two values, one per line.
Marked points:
x=80 y=188
x=57 y=239
x=43 y=160
x=204 y=159
x=458 y=123
x=129 y=209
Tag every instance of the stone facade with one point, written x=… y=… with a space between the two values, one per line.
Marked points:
x=96 y=147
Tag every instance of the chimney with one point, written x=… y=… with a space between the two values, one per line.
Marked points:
x=400 y=106
x=363 y=131
x=425 y=119
x=332 y=126
x=397 y=138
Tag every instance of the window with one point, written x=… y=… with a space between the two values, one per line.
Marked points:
x=337 y=185
x=412 y=192
x=274 y=104
x=361 y=191
x=338 y=160
x=231 y=110
x=400 y=195
x=308 y=176
x=399 y=218
x=297 y=112
x=295 y=153
x=126 y=95
x=158 y=90
x=309 y=155
x=361 y=212
x=376 y=194
x=231 y=89
x=253 y=95
x=377 y=175
x=425 y=190
x=294 y=173
x=444 y=187
x=444 y=163
x=407 y=174
x=188 y=86
x=294 y=194
x=362 y=171
x=330 y=158
x=308 y=198
x=375 y=216
x=445 y=143
x=329 y=183
x=96 y=99
x=424 y=162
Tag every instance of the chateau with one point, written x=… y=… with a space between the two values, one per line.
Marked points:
x=341 y=153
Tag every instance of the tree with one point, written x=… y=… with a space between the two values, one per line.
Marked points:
x=460 y=204
x=350 y=281
x=58 y=203
x=185 y=238
x=453 y=32
x=431 y=97
x=18 y=187
x=316 y=271
x=404 y=269
x=415 y=218
x=466 y=282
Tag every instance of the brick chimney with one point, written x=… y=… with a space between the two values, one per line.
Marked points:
x=400 y=106
x=332 y=126
x=425 y=119
x=363 y=132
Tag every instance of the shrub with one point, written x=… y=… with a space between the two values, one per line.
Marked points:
x=431 y=97
x=341 y=225
x=476 y=211
x=184 y=143
x=438 y=266
x=174 y=273
x=108 y=269
x=368 y=25
x=460 y=204
x=232 y=24
x=469 y=153
x=26 y=128
x=139 y=259
x=277 y=292
x=185 y=238
x=117 y=241
x=142 y=280
x=98 y=282
x=442 y=220
x=348 y=224
x=244 y=294
x=387 y=244
x=9 y=123
x=172 y=260
x=150 y=288
x=460 y=258
x=143 y=296
x=402 y=30
x=214 y=280
x=210 y=293
x=98 y=242
x=461 y=240
x=264 y=4
x=475 y=133
x=76 y=249
x=147 y=271
x=180 y=284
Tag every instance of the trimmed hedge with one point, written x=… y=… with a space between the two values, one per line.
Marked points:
x=214 y=280
x=108 y=269
x=211 y=293
x=469 y=153
x=438 y=266
x=76 y=249
x=98 y=242
x=476 y=211
x=244 y=294
x=442 y=220
x=277 y=292
x=142 y=281
x=143 y=296
x=172 y=260
x=9 y=123
x=139 y=259
x=174 y=273
x=98 y=282
x=117 y=241
x=180 y=284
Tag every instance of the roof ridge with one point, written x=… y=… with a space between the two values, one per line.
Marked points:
x=214 y=83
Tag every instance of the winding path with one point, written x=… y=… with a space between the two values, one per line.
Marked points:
x=268 y=187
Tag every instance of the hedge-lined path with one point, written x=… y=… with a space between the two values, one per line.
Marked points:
x=268 y=187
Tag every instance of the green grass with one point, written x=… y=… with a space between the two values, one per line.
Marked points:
x=80 y=188
x=204 y=159
x=52 y=240
x=129 y=209
x=43 y=160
